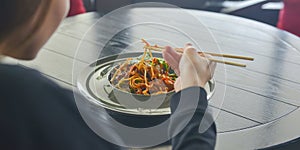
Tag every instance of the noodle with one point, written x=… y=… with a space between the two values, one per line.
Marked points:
x=150 y=75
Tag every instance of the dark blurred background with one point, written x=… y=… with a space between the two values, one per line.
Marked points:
x=284 y=14
x=261 y=10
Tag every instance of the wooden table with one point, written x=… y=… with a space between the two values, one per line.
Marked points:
x=261 y=102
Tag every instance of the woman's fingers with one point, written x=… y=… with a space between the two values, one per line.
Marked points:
x=172 y=58
x=188 y=44
x=173 y=53
x=177 y=84
x=191 y=54
x=189 y=49
x=211 y=65
x=193 y=69
x=173 y=63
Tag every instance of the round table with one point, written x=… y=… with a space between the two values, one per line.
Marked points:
x=260 y=102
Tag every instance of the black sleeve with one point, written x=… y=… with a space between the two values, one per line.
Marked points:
x=194 y=103
x=37 y=114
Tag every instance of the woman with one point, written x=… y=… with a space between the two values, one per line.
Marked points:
x=35 y=113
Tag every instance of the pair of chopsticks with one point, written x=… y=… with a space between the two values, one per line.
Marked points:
x=180 y=50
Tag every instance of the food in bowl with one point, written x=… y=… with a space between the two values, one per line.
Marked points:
x=145 y=75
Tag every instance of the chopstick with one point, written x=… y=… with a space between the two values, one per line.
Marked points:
x=180 y=50
x=227 y=62
x=213 y=54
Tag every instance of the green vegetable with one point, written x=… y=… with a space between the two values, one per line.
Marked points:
x=172 y=75
x=132 y=90
x=137 y=81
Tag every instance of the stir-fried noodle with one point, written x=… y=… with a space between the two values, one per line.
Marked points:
x=146 y=75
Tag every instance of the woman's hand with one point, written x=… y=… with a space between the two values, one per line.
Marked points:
x=191 y=68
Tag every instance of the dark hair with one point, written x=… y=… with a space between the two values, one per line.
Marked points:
x=15 y=13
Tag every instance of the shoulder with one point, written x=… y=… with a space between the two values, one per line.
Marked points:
x=27 y=82
x=18 y=75
x=13 y=72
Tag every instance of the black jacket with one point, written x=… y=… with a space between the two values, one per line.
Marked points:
x=35 y=113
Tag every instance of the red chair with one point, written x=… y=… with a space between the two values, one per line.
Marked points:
x=289 y=17
x=76 y=7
